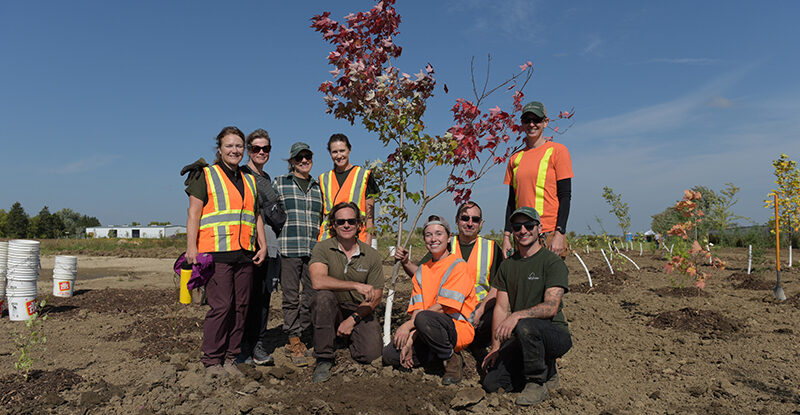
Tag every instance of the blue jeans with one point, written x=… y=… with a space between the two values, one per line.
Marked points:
x=528 y=356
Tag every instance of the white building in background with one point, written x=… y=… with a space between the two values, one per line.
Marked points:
x=164 y=231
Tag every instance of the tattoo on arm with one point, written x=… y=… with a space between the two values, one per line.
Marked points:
x=549 y=307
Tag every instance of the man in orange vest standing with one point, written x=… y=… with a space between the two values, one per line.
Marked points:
x=347 y=183
x=540 y=176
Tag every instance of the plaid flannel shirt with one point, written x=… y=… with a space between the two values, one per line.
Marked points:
x=303 y=215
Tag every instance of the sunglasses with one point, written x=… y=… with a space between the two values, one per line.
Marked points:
x=475 y=219
x=341 y=222
x=517 y=226
x=535 y=120
x=298 y=158
x=257 y=149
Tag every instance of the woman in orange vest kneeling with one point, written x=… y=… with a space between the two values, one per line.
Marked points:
x=442 y=300
x=224 y=221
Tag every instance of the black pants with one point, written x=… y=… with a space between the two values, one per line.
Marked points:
x=436 y=338
x=255 y=326
x=528 y=356
x=483 y=328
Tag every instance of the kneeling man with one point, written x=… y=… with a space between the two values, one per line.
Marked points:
x=529 y=328
x=347 y=275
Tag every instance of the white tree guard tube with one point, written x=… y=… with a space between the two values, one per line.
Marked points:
x=670 y=248
x=626 y=257
x=607 y=262
x=749 y=258
x=790 y=255
x=387 y=318
x=640 y=249
x=609 y=247
x=616 y=247
x=585 y=269
x=710 y=259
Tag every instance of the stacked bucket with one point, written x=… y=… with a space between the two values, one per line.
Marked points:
x=22 y=274
x=64 y=272
x=3 y=268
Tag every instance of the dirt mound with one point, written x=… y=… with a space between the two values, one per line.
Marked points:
x=742 y=276
x=39 y=393
x=754 y=283
x=161 y=336
x=603 y=281
x=698 y=321
x=110 y=300
x=680 y=292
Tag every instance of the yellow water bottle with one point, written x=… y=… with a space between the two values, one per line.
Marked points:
x=184 y=295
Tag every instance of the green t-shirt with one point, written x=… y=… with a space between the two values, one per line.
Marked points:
x=364 y=266
x=526 y=279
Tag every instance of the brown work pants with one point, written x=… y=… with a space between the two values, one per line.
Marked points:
x=228 y=294
x=326 y=313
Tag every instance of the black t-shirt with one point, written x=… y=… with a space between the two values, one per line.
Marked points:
x=372 y=187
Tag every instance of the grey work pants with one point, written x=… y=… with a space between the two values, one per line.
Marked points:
x=296 y=304
x=326 y=311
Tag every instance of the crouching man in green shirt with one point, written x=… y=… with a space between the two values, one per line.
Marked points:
x=347 y=275
x=529 y=329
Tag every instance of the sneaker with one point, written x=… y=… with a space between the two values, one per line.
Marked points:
x=552 y=383
x=261 y=357
x=216 y=371
x=533 y=394
x=230 y=367
x=323 y=370
x=453 y=372
x=297 y=352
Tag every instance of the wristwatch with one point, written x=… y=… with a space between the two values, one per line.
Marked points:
x=356 y=317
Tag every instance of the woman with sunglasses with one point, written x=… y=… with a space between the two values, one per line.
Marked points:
x=347 y=183
x=224 y=221
x=267 y=275
x=442 y=299
x=300 y=195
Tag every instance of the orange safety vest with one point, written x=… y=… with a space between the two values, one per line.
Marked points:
x=354 y=190
x=228 y=222
x=447 y=283
x=479 y=263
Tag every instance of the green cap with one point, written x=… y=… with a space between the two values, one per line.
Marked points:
x=527 y=211
x=535 y=107
x=298 y=147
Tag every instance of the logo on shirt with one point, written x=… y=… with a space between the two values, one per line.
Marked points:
x=532 y=276
x=361 y=269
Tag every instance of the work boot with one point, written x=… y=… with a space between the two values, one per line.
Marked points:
x=216 y=371
x=297 y=352
x=261 y=357
x=533 y=394
x=552 y=383
x=323 y=370
x=453 y=372
x=230 y=367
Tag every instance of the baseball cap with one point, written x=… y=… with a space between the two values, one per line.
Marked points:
x=298 y=147
x=527 y=211
x=436 y=220
x=535 y=107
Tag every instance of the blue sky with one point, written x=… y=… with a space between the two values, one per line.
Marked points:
x=104 y=102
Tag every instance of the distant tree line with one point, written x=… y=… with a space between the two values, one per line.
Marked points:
x=65 y=223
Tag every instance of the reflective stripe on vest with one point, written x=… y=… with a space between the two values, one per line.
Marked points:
x=541 y=179
x=443 y=292
x=353 y=190
x=228 y=220
x=479 y=263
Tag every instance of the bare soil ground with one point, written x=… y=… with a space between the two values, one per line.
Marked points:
x=642 y=344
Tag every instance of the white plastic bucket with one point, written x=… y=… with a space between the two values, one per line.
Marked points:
x=63 y=288
x=21 y=307
x=23 y=275
x=16 y=286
